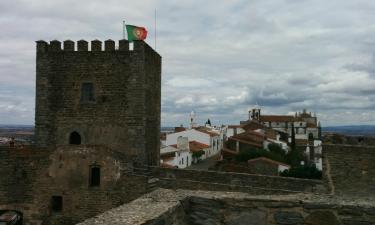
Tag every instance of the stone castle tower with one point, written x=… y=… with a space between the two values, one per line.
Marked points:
x=108 y=97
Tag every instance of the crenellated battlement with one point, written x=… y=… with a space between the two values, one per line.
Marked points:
x=84 y=46
x=86 y=87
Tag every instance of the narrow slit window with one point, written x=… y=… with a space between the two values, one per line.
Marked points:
x=95 y=176
x=87 y=92
x=57 y=203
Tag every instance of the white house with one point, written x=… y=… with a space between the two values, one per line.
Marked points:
x=203 y=135
x=178 y=156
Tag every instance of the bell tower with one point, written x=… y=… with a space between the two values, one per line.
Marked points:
x=254 y=113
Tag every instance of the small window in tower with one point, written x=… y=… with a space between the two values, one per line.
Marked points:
x=56 y=203
x=87 y=92
x=94 y=176
x=75 y=138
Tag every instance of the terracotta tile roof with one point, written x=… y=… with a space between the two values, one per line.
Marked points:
x=267 y=160
x=179 y=129
x=252 y=125
x=197 y=146
x=167 y=156
x=249 y=137
x=166 y=165
x=271 y=133
x=276 y=118
x=207 y=131
x=227 y=151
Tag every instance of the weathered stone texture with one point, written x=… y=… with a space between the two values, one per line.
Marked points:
x=350 y=170
x=125 y=114
x=322 y=218
x=226 y=181
x=288 y=218
x=184 y=207
x=29 y=177
x=118 y=127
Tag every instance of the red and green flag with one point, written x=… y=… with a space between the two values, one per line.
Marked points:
x=136 y=33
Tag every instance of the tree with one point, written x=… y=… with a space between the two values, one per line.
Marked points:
x=276 y=148
x=293 y=139
x=198 y=154
x=305 y=171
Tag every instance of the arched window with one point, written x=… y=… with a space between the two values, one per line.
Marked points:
x=75 y=138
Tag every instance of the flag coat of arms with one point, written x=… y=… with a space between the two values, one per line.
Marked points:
x=136 y=33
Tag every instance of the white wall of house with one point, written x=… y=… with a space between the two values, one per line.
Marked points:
x=215 y=146
x=183 y=158
x=283 y=145
x=281 y=168
x=192 y=134
x=233 y=131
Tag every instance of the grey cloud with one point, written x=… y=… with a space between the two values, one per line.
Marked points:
x=219 y=58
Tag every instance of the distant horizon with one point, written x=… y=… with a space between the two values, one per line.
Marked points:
x=353 y=125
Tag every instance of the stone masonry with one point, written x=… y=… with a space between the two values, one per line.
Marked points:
x=124 y=112
x=183 y=207
x=97 y=115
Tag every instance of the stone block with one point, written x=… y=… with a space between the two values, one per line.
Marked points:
x=288 y=218
x=322 y=218
x=252 y=217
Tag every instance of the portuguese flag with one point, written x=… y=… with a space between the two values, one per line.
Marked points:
x=136 y=33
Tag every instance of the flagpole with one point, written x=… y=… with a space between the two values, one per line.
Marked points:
x=123 y=29
x=155 y=29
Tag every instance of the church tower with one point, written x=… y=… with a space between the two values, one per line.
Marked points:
x=254 y=114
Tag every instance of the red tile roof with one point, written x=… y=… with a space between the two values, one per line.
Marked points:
x=195 y=146
x=249 y=137
x=267 y=160
x=276 y=118
x=227 y=151
x=166 y=165
x=179 y=129
x=271 y=133
x=252 y=125
x=207 y=131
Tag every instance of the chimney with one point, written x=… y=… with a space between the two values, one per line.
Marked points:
x=183 y=143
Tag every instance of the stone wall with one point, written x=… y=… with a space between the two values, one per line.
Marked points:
x=29 y=177
x=183 y=207
x=124 y=114
x=117 y=123
x=350 y=170
x=214 y=180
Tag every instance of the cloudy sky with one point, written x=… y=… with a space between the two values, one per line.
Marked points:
x=219 y=57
